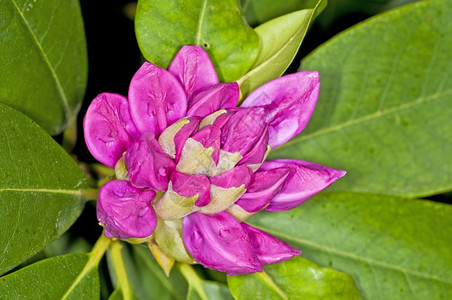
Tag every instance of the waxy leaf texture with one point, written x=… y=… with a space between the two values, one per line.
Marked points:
x=384 y=111
x=40 y=189
x=394 y=248
x=163 y=27
x=43 y=64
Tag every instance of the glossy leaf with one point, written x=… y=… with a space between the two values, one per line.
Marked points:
x=201 y=289
x=44 y=62
x=164 y=26
x=384 y=109
x=296 y=278
x=40 y=189
x=260 y=11
x=394 y=248
x=61 y=277
x=279 y=40
x=147 y=279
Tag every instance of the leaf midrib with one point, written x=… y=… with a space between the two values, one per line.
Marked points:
x=365 y=118
x=67 y=109
x=354 y=256
x=50 y=191
x=200 y=23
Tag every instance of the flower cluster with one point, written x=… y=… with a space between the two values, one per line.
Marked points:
x=190 y=165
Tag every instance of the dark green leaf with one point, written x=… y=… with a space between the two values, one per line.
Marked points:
x=296 y=278
x=43 y=60
x=260 y=11
x=164 y=26
x=40 y=189
x=147 y=279
x=384 y=112
x=394 y=248
x=62 y=277
x=279 y=41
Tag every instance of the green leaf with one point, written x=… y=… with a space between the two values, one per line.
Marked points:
x=164 y=26
x=260 y=11
x=296 y=278
x=384 y=111
x=201 y=289
x=147 y=279
x=61 y=277
x=118 y=294
x=279 y=41
x=44 y=61
x=40 y=189
x=394 y=248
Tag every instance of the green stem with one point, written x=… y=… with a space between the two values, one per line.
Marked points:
x=90 y=194
x=193 y=279
x=94 y=258
x=120 y=270
x=99 y=250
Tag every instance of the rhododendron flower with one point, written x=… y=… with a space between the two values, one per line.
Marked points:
x=190 y=165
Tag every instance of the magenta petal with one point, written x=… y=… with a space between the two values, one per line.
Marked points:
x=126 y=212
x=243 y=130
x=222 y=119
x=304 y=181
x=189 y=185
x=147 y=165
x=269 y=249
x=220 y=96
x=193 y=69
x=257 y=153
x=209 y=136
x=289 y=101
x=108 y=128
x=156 y=98
x=184 y=133
x=263 y=188
x=219 y=242
x=233 y=178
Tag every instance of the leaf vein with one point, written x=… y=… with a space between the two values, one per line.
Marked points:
x=366 y=118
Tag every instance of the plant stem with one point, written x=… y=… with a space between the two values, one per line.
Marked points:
x=70 y=137
x=120 y=270
x=90 y=194
x=193 y=279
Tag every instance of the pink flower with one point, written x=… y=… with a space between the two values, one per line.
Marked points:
x=190 y=164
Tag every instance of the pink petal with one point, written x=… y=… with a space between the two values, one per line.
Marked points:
x=186 y=131
x=233 y=178
x=222 y=119
x=289 y=101
x=269 y=249
x=220 y=96
x=243 y=130
x=193 y=69
x=264 y=186
x=147 y=165
x=304 y=181
x=209 y=136
x=126 y=212
x=156 y=98
x=256 y=154
x=108 y=128
x=219 y=242
x=189 y=185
